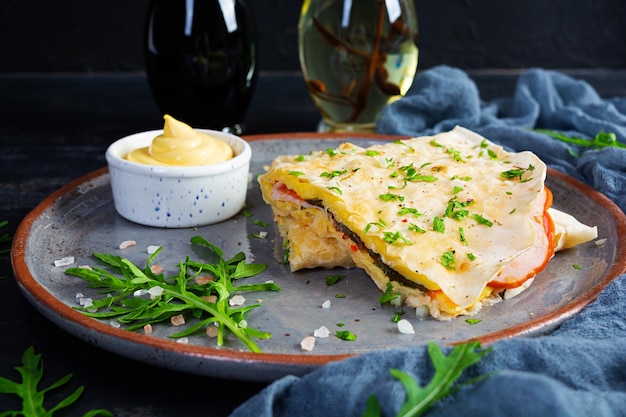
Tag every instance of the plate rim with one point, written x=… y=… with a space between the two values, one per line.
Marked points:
x=34 y=291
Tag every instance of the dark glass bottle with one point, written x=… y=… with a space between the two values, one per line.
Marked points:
x=201 y=61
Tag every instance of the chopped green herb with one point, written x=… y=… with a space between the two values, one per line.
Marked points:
x=337 y=189
x=471 y=256
x=399 y=142
x=517 y=173
x=438 y=225
x=472 y=322
x=388 y=295
x=447 y=259
x=371 y=152
x=391 y=197
x=457 y=189
x=576 y=266
x=296 y=173
x=333 y=173
x=333 y=279
x=246 y=213
x=331 y=152
x=409 y=210
x=380 y=223
x=396 y=237
x=346 y=335
x=260 y=223
x=397 y=316
x=481 y=220
x=415 y=228
x=300 y=158
x=462 y=236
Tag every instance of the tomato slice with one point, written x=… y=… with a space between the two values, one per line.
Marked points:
x=535 y=259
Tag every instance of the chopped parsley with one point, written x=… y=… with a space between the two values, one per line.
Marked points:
x=447 y=259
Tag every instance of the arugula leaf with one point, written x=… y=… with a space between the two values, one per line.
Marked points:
x=33 y=399
x=447 y=370
x=601 y=140
x=138 y=297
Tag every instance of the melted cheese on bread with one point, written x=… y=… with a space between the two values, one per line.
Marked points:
x=445 y=213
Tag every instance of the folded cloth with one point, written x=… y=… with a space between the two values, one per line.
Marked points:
x=444 y=97
x=577 y=370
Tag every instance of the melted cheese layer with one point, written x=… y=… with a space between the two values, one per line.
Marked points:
x=448 y=211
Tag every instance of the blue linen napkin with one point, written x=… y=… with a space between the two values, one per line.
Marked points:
x=577 y=370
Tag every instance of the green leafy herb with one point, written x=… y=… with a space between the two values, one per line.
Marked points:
x=380 y=223
x=447 y=370
x=397 y=237
x=481 y=220
x=346 y=335
x=32 y=398
x=447 y=259
x=391 y=197
x=333 y=279
x=439 y=225
x=472 y=322
x=333 y=174
x=371 y=152
x=296 y=173
x=389 y=295
x=409 y=210
x=181 y=294
x=517 y=173
x=260 y=223
x=337 y=189
x=415 y=228
x=601 y=140
x=576 y=266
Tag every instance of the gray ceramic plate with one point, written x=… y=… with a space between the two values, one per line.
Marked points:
x=80 y=219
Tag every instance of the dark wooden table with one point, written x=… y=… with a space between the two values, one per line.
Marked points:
x=55 y=128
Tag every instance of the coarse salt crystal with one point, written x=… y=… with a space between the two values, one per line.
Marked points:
x=211 y=331
x=183 y=340
x=203 y=279
x=321 y=332
x=79 y=295
x=177 y=320
x=85 y=301
x=115 y=324
x=237 y=300
x=127 y=244
x=262 y=234
x=600 y=242
x=156 y=268
x=326 y=304
x=68 y=260
x=152 y=248
x=308 y=343
x=147 y=329
x=155 y=291
x=405 y=327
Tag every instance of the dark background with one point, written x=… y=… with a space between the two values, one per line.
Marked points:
x=97 y=36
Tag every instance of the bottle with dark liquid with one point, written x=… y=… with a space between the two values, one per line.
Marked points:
x=201 y=61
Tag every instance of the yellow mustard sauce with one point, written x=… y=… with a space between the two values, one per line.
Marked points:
x=181 y=145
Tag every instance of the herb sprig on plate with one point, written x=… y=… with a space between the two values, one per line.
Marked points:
x=138 y=297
